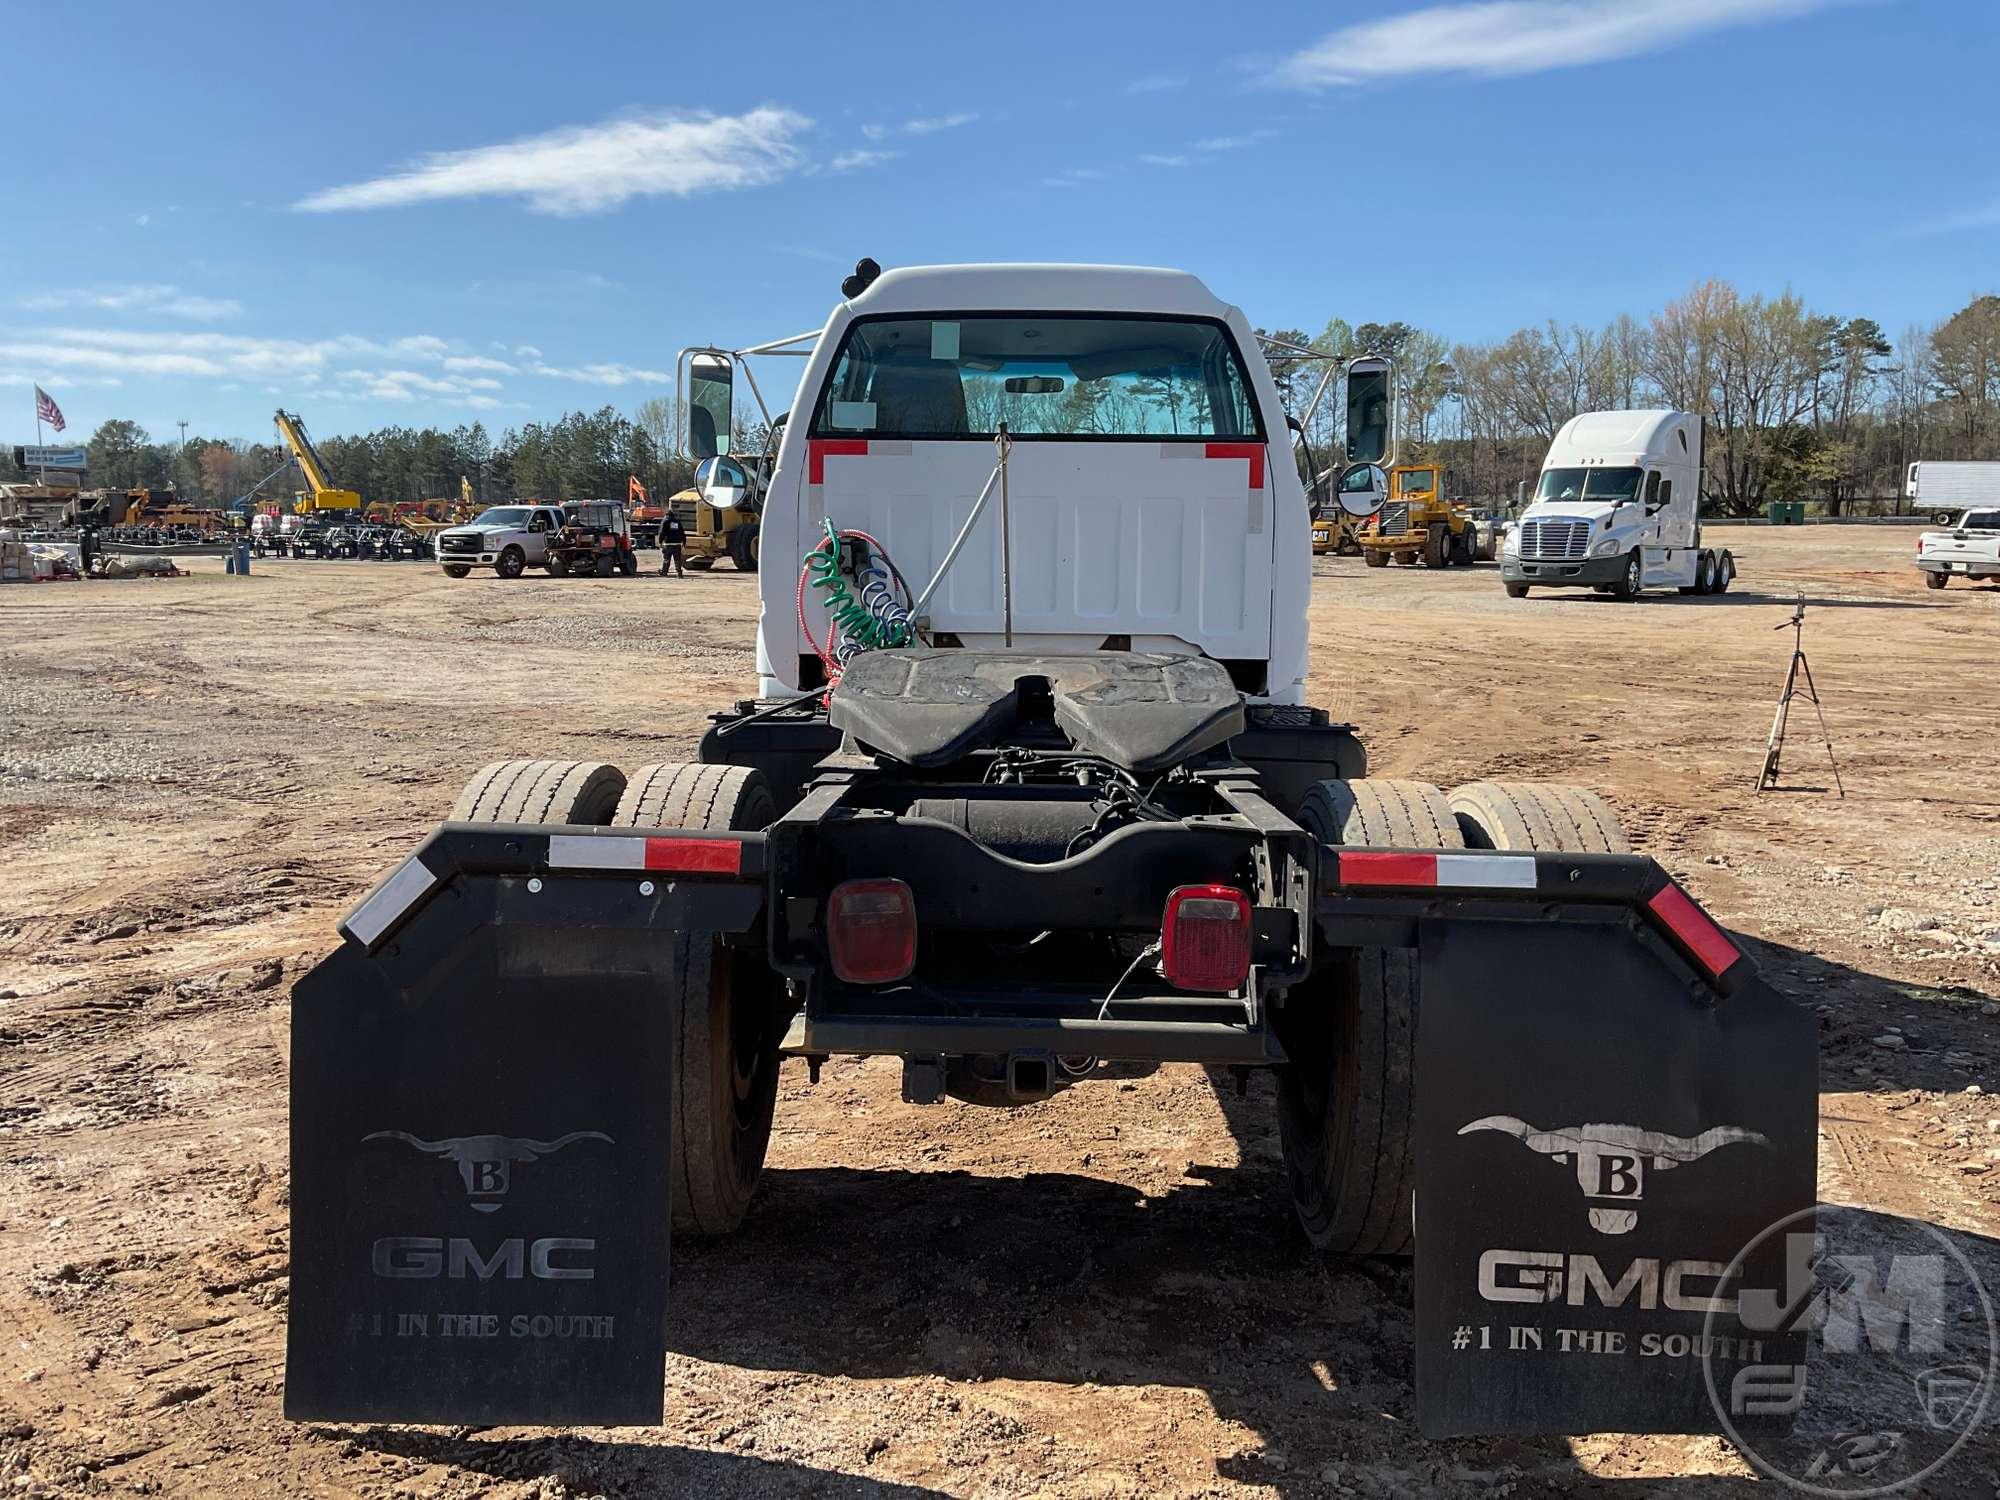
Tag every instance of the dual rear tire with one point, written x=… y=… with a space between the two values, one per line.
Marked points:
x=1347 y=1095
x=728 y=1022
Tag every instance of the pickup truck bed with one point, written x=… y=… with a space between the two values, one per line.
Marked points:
x=1970 y=550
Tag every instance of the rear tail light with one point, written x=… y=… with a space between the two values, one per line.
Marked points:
x=871 y=931
x=1205 y=939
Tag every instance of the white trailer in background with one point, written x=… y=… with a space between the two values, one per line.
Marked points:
x=1947 y=487
x=1618 y=510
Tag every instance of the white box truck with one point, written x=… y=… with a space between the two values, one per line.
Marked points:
x=1945 y=488
x=1618 y=510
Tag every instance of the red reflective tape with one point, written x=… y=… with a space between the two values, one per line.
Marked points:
x=818 y=450
x=1388 y=869
x=695 y=856
x=1252 y=451
x=1696 y=929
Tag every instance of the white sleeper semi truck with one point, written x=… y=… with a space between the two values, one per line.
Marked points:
x=1617 y=509
x=1030 y=792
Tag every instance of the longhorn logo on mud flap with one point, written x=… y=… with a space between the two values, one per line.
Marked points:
x=485 y=1162
x=1611 y=1160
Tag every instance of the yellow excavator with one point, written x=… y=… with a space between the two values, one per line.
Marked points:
x=322 y=494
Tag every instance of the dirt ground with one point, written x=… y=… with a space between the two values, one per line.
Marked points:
x=1100 y=1295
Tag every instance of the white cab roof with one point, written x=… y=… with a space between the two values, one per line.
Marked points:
x=1038 y=288
x=1625 y=437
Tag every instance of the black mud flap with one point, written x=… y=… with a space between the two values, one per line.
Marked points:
x=1600 y=1131
x=480 y=1149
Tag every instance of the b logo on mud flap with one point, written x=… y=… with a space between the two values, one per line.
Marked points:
x=485 y=1162
x=1611 y=1160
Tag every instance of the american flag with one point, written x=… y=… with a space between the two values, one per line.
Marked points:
x=46 y=409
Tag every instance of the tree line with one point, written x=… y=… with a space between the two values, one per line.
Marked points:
x=1796 y=405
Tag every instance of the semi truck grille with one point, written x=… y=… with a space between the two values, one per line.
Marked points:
x=1395 y=518
x=1561 y=541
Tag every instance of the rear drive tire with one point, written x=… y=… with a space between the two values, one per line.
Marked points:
x=1517 y=590
x=1936 y=580
x=725 y=1001
x=541 y=791
x=1347 y=1098
x=1725 y=572
x=1542 y=815
x=1374 y=558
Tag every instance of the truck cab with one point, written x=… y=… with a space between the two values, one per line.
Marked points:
x=1151 y=498
x=1617 y=509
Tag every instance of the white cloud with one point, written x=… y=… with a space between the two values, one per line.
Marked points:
x=1498 y=38
x=1152 y=160
x=1157 y=83
x=1231 y=142
x=479 y=362
x=929 y=125
x=143 y=220
x=1071 y=177
x=151 y=297
x=605 y=374
x=526 y=351
x=583 y=169
x=854 y=161
x=1979 y=216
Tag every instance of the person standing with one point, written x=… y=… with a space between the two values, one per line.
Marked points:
x=673 y=537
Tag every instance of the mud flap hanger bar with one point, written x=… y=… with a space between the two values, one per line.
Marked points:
x=721 y=870
x=1630 y=880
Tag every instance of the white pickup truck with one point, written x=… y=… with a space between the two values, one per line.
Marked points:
x=505 y=538
x=1971 y=549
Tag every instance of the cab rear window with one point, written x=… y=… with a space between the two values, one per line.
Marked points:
x=1046 y=376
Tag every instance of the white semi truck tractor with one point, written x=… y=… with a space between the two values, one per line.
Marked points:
x=1618 y=510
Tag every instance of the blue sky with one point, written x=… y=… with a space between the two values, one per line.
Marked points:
x=426 y=213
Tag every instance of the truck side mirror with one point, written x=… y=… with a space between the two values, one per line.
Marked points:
x=1362 y=489
x=704 y=390
x=1371 y=410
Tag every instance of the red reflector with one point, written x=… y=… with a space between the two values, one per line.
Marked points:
x=1696 y=930
x=695 y=856
x=871 y=931
x=1388 y=869
x=1205 y=938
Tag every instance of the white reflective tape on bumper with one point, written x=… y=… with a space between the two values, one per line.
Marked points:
x=1513 y=872
x=569 y=851
x=389 y=900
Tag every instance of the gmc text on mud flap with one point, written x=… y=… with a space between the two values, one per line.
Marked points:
x=417 y=1257
x=1689 y=1286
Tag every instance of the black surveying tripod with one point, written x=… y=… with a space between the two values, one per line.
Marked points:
x=1768 y=776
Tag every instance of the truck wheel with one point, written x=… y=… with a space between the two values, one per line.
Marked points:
x=1725 y=572
x=1464 y=549
x=541 y=791
x=1374 y=558
x=603 y=567
x=1346 y=1098
x=456 y=570
x=699 y=564
x=1704 y=575
x=1936 y=580
x=511 y=562
x=1536 y=815
x=1630 y=581
x=1517 y=590
x=1437 y=545
x=558 y=565
x=726 y=1046
x=743 y=547
x=628 y=564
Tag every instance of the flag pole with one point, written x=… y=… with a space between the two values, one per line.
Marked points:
x=43 y=471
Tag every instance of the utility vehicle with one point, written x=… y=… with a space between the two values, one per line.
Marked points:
x=1030 y=789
